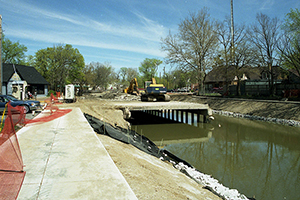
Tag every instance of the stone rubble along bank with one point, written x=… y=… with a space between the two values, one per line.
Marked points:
x=279 y=112
x=260 y=118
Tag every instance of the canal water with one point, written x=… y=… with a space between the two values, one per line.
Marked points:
x=259 y=159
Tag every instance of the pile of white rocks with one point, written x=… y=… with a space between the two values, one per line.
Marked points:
x=211 y=183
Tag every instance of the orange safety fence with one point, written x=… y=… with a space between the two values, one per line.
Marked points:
x=11 y=163
x=53 y=111
x=57 y=94
x=10 y=184
x=55 y=99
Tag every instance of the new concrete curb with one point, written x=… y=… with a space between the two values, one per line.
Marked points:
x=65 y=160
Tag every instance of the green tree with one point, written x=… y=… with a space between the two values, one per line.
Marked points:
x=148 y=68
x=13 y=52
x=289 y=46
x=30 y=60
x=43 y=64
x=89 y=76
x=182 y=78
x=194 y=46
x=292 y=22
x=60 y=65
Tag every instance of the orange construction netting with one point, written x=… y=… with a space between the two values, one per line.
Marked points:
x=11 y=163
x=51 y=111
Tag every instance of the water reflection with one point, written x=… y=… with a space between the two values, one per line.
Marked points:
x=257 y=158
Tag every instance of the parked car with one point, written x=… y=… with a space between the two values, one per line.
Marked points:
x=217 y=90
x=29 y=105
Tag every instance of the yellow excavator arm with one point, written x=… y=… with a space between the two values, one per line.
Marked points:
x=153 y=81
x=133 y=87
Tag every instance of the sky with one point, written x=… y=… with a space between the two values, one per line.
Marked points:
x=120 y=32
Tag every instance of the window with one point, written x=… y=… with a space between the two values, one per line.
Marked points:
x=264 y=75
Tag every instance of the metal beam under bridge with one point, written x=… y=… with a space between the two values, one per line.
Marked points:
x=168 y=110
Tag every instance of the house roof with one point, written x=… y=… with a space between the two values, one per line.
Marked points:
x=218 y=74
x=252 y=73
x=27 y=73
x=215 y=75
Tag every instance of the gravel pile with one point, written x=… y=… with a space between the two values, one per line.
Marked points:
x=127 y=97
x=117 y=95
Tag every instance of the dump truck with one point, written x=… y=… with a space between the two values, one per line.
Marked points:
x=133 y=88
x=154 y=92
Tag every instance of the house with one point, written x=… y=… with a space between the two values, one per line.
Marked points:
x=216 y=78
x=17 y=80
x=254 y=80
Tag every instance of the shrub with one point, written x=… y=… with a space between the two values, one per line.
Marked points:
x=51 y=92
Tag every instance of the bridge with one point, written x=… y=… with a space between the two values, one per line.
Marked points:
x=184 y=112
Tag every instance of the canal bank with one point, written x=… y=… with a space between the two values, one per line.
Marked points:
x=258 y=159
x=142 y=173
x=147 y=176
x=281 y=112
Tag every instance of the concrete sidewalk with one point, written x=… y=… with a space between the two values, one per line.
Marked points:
x=65 y=160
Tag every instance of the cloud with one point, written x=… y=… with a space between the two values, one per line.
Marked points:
x=142 y=36
x=266 y=4
x=75 y=39
x=153 y=30
x=260 y=5
x=31 y=11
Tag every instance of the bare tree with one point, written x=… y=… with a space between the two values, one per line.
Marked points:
x=224 y=57
x=131 y=74
x=193 y=47
x=245 y=56
x=233 y=56
x=265 y=34
x=123 y=74
x=103 y=74
x=127 y=74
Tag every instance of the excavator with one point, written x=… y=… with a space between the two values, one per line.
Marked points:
x=154 y=92
x=133 y=88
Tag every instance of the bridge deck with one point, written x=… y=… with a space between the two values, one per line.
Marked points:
x=172 y=105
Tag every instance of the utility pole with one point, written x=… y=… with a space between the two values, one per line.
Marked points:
x=1 y=74
x=232 y=32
